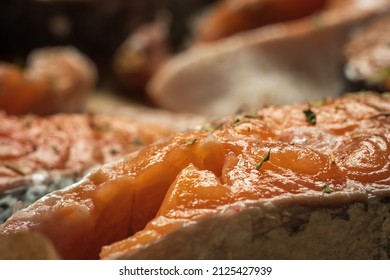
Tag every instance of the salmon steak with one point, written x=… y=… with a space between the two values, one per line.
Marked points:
x=65 y=144
x=301 y=181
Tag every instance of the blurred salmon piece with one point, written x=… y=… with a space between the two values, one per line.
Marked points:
x=55 y=80
x=229 y=17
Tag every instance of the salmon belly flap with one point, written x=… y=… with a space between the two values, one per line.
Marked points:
x=275 y=154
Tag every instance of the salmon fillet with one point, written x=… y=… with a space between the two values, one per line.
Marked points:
x=55 y=80
x=66 y=144
x=255 y=185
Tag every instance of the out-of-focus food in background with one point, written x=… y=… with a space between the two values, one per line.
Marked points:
x=55 y=80
x=229 y=17
x=204 y=57
x=142 y=53
x=368 y=55
x=96 y=27
x=285 y=62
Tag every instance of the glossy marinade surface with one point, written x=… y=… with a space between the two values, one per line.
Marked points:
x=303 y=150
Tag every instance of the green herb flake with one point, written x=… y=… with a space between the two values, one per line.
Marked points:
x=14 y=168
x=55 y=149
x=311 y=117
x=138 y=142
x=114 y=151
x=265 y=159
x=211 y=127
x=384 y=114
x=103 y=127
x=27 y=123
x=319 y=103
x=327 y=189
x=237 y=122
x=191 y=142
x=251 y=116
x=332 y=158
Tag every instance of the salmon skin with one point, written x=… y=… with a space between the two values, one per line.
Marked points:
x=306 y=167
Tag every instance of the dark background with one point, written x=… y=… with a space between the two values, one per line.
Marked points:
x=95 y=27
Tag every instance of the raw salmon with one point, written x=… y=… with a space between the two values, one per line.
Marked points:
x=55 y=80
x=230 y=16
x=66 y=144
x=221 y=190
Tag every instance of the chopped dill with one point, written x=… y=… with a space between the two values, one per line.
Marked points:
x=332 y=158
x=14 y=168
x=384 y=114
x=327 y=189
x=138 y=142
x=251 y=115
x=265 y=159
x=211 y=127
x=237 y=122
x=191 y=142
x=311 y=117
x=55 y=149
